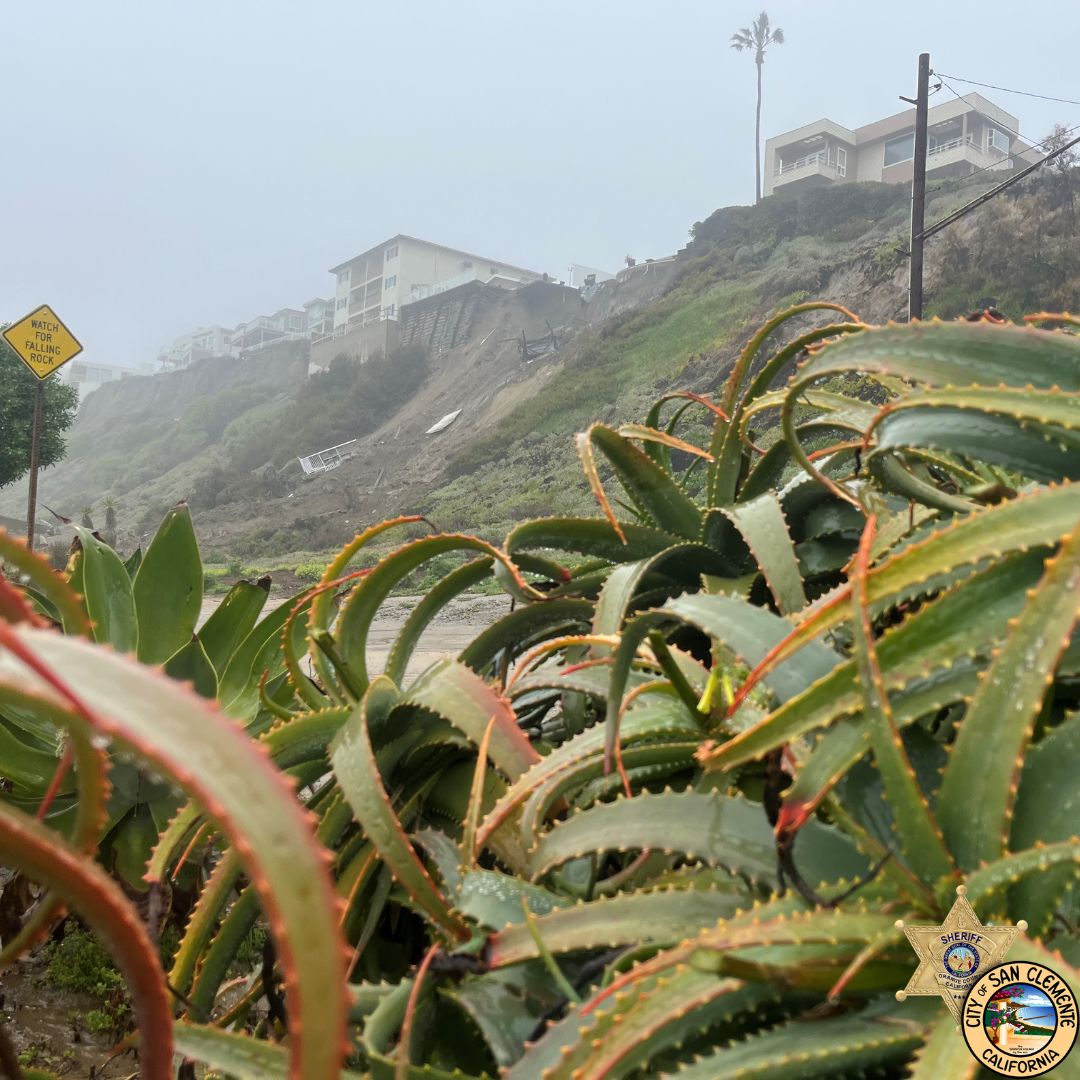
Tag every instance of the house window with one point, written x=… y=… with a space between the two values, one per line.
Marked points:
x=900 y=149
x=343 y=277
x=390 y=282
x=342 y=302
x=391 y=253
x=841 y=161
x=997 y=140
x=388 y=311
x=295 y=322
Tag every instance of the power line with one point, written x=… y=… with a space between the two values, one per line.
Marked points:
x=986 y=195
x=1039 y=146
x=1006 y=90
x=989 y=119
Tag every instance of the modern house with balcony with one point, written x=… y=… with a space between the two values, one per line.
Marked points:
x=965 y=135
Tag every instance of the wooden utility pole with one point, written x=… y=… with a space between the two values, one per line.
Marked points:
x=918 y=191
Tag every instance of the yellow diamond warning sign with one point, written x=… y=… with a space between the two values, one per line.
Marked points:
x=43 y=343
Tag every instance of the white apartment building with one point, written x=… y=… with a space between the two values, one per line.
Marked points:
x=376 y=284
x=195 y=345
x=965 y=135
x=318 y=317
x=284 y=325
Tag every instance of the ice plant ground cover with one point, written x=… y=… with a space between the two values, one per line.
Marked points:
x=794 y=684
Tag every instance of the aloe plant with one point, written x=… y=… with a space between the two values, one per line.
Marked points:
x=664 y=815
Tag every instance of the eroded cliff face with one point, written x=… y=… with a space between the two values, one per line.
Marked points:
x=149 y=442
x=166 y=396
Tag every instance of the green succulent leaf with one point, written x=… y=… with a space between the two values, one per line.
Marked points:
x=168 y=588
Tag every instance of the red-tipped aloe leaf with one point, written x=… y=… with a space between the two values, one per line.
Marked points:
x=978 y=789
x=43 y=856
x=251 y=802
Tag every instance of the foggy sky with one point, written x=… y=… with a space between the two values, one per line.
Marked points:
x=173 y=164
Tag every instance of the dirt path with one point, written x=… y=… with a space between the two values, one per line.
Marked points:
x=454 y=627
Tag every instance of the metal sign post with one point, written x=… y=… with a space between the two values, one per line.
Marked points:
x=35 y=458
x=44 y=344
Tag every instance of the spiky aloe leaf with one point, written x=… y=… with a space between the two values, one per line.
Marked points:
x=680 y=567
x=168 y=588
x=661 y=917
x=452 y=585
x=727 y=830
x=614 y=1041
x=358 y=773
x=39 y=853
x=523 y=627
x=658 y=499
x=107 y=593
x=741 y=388
x=232 y=620
x=942 y=633
x=90 y=809
x=958 y=354
x=656 y=719
x=383 y=1024
x=944 y=1053
x=458 y=694
x=751 y=633
x=216 y=960
x=1009 y=870
x=494 y=899
x=918 y=833
x=200 y=925
x=65 y=600
x=588 y=536
x=979 y=786
x=1032 y=520
x=248 y=799
x=1030 y=432
x=1052 y=765
x=781 y=941
x=763 y=527
x=362 y=605
x=657 y=758
x=506 y=1006
x=321 y=611
x=238 y=1055
x=879 y=1036
x=304 y=738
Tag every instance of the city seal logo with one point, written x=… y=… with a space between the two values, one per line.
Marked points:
x=952 y=956
x=1019 y=1019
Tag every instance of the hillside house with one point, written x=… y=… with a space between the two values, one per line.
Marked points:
x=374 y=286
x=965 y=135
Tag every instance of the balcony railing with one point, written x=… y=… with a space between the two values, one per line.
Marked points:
x=952 y=144
x=820 y=158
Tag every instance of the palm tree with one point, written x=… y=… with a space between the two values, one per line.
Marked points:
x=759 y=35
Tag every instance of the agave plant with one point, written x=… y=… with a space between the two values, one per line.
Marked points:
x=664 y=816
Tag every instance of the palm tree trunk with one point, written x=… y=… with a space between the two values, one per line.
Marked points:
x=757 y=138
